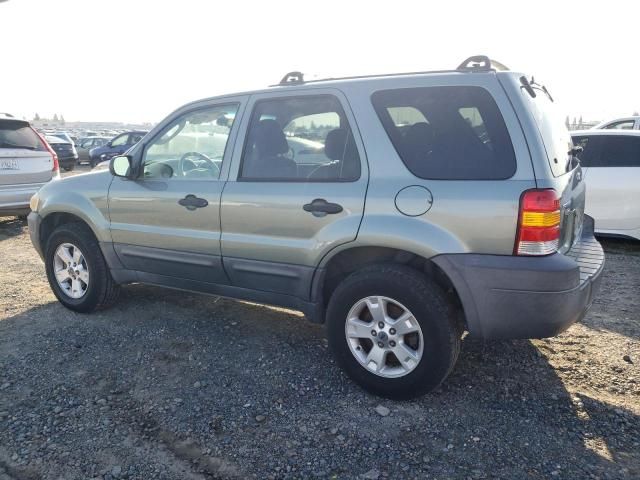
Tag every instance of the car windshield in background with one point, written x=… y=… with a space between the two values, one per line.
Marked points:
x=17 y=134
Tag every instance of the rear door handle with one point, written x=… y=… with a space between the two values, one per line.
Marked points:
x=191 y=202
x=320 y=207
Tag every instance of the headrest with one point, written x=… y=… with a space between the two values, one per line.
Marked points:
x=339 y=145
x=269 y=138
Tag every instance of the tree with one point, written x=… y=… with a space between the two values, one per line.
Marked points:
x=62 y=119
x=580 y=124
x=55 y=117
x=36 y=117
x=635 y=113
x=566 y=122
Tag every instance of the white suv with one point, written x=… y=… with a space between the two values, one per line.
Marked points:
x=627 y=123
x=26 y=163
x=610 y=160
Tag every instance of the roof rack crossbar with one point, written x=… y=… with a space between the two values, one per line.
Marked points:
x=481 y=63
x=292 y=78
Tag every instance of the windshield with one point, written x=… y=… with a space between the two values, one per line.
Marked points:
x=554 y=132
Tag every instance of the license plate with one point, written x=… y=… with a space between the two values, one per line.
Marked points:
x=9 y=164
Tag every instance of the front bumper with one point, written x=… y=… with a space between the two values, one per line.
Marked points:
x=508 y=297
x=34 y=220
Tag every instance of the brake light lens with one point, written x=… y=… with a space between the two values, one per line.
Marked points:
x=538 y=223
x=56 y=164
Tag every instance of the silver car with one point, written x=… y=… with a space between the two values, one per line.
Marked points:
x=27 y=162
x=400 y=210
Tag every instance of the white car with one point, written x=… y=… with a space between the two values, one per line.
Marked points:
x=611 y=164
x=26 y=163
x=626 y=123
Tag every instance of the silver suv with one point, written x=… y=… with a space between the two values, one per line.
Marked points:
x=400 y=210
x=27 y=162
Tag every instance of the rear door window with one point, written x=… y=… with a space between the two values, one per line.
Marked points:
x=620 y=151
x=300 y=139
x=447 y=133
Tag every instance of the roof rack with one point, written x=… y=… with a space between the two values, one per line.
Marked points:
x=477 y=63
x=481 y=63
x=292 y=78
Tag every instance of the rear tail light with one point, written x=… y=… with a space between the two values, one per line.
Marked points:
x=56 y=164
x=538 y=223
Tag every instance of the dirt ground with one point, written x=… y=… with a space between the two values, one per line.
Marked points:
x=175 y=385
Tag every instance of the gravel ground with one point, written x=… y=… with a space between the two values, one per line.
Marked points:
x=172 y=385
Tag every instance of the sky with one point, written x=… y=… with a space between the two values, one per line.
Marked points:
x=136 y=61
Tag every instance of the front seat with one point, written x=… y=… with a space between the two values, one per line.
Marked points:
x=269 y=146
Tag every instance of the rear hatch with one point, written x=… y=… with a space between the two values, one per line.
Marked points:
x=63 y=148
x=566 y=176
x=24 y=159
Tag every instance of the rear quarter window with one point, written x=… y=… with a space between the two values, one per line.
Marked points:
x=447 y=133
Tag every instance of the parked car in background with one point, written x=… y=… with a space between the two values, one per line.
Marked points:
x=26 y=163
x=473 y=220
x=627 y=123
x=67 y=154
x=85 y=145
x=115 y=146
x=610 y=161
x=64 y=136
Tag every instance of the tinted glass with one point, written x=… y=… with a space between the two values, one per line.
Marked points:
x=303 y=139
x=447 y=133
x=553 y=129
x=135 y=138
x=191 y=147
x=19 y=135
x=589 y=156
x=620 y=151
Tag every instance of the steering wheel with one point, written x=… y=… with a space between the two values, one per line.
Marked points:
x=211 y=165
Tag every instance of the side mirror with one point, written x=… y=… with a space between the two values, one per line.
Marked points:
x=120 y=166
x=108 y=144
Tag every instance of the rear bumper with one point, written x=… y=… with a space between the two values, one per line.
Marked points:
x=507 y=297
x=14 y=199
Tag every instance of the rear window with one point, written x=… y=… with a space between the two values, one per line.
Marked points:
x=447 y=133
x=553 y=130
x=17 y=134
x=609 y=150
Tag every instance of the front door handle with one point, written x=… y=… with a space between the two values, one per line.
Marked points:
x=320 y=207
x=191 y=202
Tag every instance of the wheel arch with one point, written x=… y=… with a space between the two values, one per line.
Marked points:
x=55 y=219
x=342 y=263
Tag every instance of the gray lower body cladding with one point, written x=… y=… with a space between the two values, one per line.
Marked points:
x=508 y=297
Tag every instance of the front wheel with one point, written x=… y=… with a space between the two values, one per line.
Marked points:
x=393 y=331
x=77 y=271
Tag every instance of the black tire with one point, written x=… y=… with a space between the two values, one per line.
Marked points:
x=431 y=308
x=102 y=290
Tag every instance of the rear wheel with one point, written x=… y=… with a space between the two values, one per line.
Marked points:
x=77 y=271
x=393 y=331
